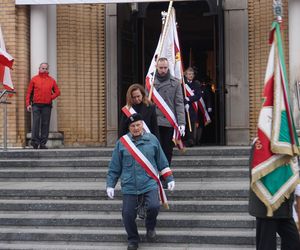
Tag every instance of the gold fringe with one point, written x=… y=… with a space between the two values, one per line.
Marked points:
x=268 y=169
x=277 y=204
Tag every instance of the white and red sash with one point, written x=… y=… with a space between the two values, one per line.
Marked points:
x=130 y=111
x=202 y=106
x=164 y=108
x=189 y=92
x=147 y=166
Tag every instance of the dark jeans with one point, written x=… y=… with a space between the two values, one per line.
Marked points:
x=41 y=120
x=129 y=213
x=266 y=234
x=166 y=141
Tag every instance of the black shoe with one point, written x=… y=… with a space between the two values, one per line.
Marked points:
x=35 y=146
x=151 y=235
x=133 y=246
x=43 y=147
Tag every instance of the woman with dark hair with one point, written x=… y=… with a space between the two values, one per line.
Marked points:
x=137 y=102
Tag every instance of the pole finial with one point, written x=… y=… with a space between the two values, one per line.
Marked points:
x=277 y=8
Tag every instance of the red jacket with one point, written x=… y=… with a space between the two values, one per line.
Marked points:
x=43 y=88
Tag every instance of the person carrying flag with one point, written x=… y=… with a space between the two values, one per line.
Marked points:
x=169 y=89
x=138 y=160
x=274 y=169
x=191 y=106
x=281 y=222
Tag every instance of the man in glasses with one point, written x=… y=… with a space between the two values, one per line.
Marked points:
x=41 y=91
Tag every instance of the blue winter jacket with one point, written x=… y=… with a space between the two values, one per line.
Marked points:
x=134 y=179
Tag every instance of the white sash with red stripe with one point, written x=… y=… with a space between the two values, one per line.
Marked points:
x=164 y=108
x=147 y=166
x=130 y=111
x=189 y=92
x=204 y=112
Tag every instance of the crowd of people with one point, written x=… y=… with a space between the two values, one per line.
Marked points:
x=142 y=156
x=143 y=153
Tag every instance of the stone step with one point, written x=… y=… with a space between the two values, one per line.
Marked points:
x=97 y=152
x=96 y=190
x=115 y=205
x=233 y=236
x=192 y=161
x=114 y=219
x=71 y=172
x=60 y=245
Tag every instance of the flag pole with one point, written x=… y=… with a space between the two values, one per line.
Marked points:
x=160 y=46
x=183 y=84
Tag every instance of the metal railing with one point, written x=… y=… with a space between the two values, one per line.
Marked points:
x=3 y=100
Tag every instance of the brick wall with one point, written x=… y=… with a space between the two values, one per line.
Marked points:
x=81 y=68
x=260 y=20
x=14 y=21
x=81 y=74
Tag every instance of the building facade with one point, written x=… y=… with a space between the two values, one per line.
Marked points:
x=96 y=50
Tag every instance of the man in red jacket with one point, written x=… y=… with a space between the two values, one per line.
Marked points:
x=41 y=91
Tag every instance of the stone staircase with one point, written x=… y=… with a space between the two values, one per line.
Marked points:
x=56 y=199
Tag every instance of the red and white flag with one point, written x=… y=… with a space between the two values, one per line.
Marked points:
x=6 y=62
x=6 y=59
x=168 y=47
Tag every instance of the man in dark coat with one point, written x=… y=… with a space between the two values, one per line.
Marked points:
x=194 y=85
x=281 y=222
x=207 y=95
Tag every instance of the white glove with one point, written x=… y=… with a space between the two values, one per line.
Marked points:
x=110 y=192
x=187 y=99
x=186 y=106
x=171 y=185
x=209 y=109
x=181 y=129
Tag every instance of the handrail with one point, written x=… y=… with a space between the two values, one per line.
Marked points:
x=3 y=100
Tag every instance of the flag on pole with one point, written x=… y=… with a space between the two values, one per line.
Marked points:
x=168 y=47
x=6 y=62
x=274 y=168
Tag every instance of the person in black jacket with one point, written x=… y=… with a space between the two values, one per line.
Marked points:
x=281 y=222
x=207 y=96
x=194 y=85
x=136 y=98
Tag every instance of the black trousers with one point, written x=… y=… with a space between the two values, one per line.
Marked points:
x=266 y=230
x=166 y=142
x=190 y=136
x=40 y=125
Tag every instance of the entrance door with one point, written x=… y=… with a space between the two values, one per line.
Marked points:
x=236 y=54
x=198 y=36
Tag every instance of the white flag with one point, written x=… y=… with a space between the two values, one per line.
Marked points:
x=169 y=48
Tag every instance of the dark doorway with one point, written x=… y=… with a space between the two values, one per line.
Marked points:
x=198 y=30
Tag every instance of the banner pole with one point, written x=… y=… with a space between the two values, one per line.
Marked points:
x=4 y=127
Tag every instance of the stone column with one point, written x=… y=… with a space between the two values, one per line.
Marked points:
x=294 y=57
x=111 y=74
x=43 y=49
x=38 y=37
